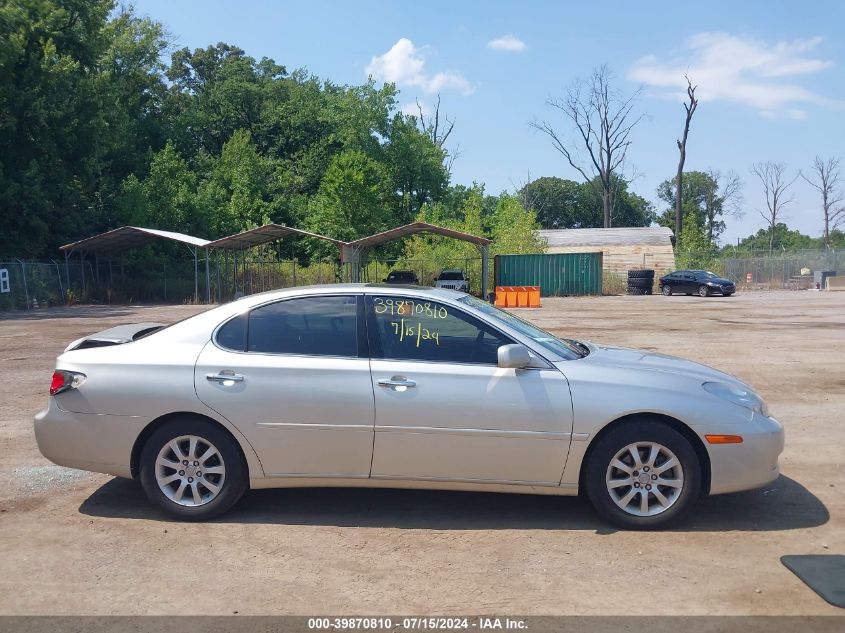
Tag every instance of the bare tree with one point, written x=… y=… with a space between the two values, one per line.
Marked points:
x=682 y=148
x=431 y=124
x=603 y=120
x=438 y=131
x=775 y=185
x=724 y=197
x=827 y=180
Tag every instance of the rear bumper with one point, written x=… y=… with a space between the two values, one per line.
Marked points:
x=99 y=443
x=752 y=464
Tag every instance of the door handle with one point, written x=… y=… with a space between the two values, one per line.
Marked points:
x=224 y=377
x=396 y=382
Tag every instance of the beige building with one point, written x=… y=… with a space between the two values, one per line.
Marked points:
x=623 y=248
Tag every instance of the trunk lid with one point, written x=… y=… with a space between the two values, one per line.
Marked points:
x=117 y=335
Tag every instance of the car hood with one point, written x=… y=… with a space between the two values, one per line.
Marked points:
x=720 y=280
x=639 y=360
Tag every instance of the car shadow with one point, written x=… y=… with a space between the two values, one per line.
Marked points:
x=783 y=505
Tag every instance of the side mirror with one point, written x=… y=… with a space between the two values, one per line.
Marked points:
x=514 y=356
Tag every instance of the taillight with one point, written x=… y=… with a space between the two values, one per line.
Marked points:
x=65 y=381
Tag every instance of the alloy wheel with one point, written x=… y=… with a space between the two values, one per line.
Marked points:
x=190 y=471
x=645 y=479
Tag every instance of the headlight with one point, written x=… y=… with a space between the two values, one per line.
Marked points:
x=738 y=395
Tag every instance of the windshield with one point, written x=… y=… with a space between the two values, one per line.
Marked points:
x=709 y=275
x=568 y=349
x=451 y=276
x=404 y=276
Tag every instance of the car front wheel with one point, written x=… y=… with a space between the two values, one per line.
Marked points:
x=666 y=290
x=703 y=291
x=643 y=475
x=192 y=470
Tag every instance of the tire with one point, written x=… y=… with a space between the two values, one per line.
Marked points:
x=703 y=291
x=229 y=476
x=680 y=499
x=637 y=290
x=727 y=294
x=642 y=283
x=641 y=274
x=666 y=291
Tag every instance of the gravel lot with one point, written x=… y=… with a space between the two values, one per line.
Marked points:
x=80 y=543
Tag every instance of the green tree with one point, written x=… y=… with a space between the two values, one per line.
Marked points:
x=78 y=97
x=236 y=195
x=515 y=228
x=694 y=249
x=170 y=194
x=558 y=203
x=710 y=196
x=416 y=166
x=566 y=204
x=353 y=199
x=781 y=238
x=627 y=208
x=216 y=91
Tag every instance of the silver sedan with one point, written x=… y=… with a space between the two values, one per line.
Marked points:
x=400 y=387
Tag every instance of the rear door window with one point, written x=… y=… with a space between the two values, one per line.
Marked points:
x=308 y=326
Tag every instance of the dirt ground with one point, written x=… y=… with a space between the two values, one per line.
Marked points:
x=81 y=543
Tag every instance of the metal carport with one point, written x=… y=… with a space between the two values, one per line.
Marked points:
x=351 y=251
x=127 y=237
x=262 y=235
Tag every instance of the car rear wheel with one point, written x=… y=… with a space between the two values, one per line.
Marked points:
x=667 y=290
x=643 y=475
x=703 y=291
x=192 y=470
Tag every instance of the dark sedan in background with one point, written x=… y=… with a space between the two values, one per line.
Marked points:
x=700 y=282
x=402 y=277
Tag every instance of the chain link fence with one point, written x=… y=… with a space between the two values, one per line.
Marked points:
x=765 y=269
x=28 y=284
x=36 y=284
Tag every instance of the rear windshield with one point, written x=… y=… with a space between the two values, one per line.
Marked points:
x=401 y=276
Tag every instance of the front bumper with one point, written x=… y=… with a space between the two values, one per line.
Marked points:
x=752 y=464
x=87 y=441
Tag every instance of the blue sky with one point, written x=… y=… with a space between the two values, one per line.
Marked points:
x=770 y=75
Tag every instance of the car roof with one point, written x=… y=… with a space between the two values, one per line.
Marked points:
x=366 y=288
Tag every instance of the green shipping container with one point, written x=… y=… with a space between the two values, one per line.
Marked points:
x=557 y=274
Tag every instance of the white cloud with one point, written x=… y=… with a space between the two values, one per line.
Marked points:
x=510 y=43
x=741 y=70
x=413 y=107
x=404 y=65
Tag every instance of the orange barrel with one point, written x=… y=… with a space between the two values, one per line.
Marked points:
x=510 y=291
x=501 y=298
x=533 y=296
x=522 y=296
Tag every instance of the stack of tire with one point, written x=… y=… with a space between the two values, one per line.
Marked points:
x=640 y=282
